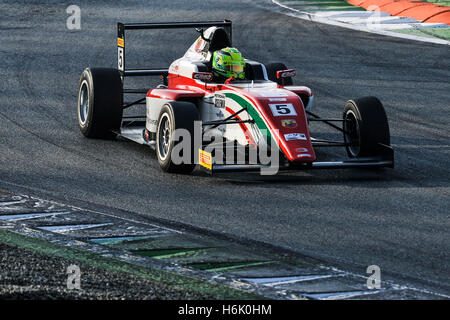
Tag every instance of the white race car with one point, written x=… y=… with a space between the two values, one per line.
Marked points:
x=263 y=112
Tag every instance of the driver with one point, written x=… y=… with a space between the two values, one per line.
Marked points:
x=228 y=65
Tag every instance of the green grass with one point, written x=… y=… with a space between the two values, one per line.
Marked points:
x=441 y=33
x=439 y=2
x=170 y=279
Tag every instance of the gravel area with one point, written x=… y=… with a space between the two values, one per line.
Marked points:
x=29 y=275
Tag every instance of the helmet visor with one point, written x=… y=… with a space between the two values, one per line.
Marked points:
x=238 y=68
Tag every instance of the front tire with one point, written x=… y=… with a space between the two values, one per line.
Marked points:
x=100 y=100
x=173 y=116
x=365 y=127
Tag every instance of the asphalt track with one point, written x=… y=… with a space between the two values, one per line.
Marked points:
x=396 y=219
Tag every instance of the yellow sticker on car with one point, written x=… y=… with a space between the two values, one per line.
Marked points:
x=205 y=159
x=289 y=123
x=120 y=42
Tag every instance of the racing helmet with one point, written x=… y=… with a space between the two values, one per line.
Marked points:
x=228 y=62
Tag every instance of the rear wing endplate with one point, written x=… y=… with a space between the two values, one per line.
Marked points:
x=121 y=27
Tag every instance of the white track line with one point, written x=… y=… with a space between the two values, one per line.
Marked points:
x=340 y=295
x=9 y=203
x=67 y=228
x=275 y=281
x=31 y=215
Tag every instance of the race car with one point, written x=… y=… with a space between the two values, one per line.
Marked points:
x=253 y=122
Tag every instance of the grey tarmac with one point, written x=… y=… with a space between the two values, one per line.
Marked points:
x=397 y=219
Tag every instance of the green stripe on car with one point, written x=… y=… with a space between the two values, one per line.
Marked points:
x=253 y=113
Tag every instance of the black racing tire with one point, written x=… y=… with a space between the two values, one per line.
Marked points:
x=100 y=102
x=175 y=115
x=365 y=127
x=272 y=69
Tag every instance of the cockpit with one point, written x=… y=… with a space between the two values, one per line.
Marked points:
x=216 y=38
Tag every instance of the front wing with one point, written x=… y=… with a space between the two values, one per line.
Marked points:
x=385 y=159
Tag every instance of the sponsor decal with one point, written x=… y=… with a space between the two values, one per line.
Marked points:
x=219 y=114
x=301 y=150
x=283 y=109
x=219 y=100
x=173 y=68
x=199 y=45
x=274 y=94
x=205 y=159
x=304 y=155
x=120 y=42
x=294 y=136
x=286 y=73
x=203 y=76
x=289 y=123
x=277 y=99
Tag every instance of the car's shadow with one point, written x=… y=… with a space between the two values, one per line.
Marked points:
x=372 y=178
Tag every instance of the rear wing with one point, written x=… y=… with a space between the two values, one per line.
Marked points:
x=121 y=27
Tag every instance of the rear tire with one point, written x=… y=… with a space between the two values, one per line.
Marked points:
x=272 y=69
x=100 y=99
x=365 y=127
x=175 y=115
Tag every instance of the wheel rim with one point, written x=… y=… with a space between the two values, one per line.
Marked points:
x=351 y=133
x=84 y=102
x=164 y=135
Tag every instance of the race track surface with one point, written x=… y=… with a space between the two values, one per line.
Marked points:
x=397 y=219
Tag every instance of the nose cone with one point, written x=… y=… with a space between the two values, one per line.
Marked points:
x=285 y=114
x=296 y=144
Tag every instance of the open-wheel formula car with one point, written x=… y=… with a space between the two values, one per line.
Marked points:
x=263 y=111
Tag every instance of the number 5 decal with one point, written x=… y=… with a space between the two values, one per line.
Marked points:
x=285 y=109
x=120 y=58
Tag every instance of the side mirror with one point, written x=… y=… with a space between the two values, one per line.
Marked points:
x=285 y=73
x=203 y=76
